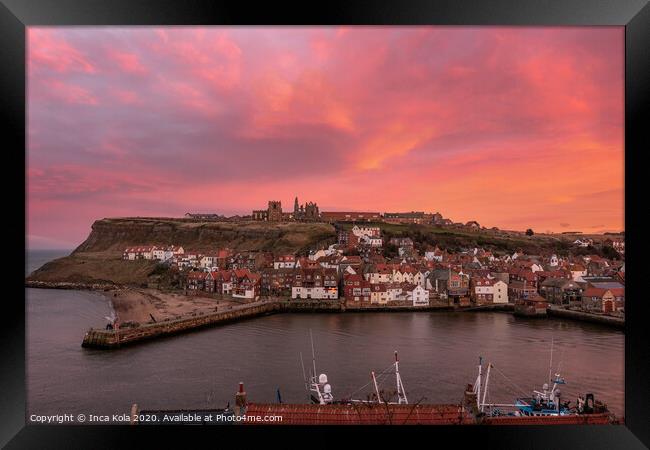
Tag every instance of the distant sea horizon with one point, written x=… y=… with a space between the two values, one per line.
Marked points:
x=35 y=258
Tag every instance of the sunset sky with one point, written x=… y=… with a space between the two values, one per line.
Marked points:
x=513 y=127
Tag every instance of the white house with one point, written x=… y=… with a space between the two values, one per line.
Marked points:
x=129 y=253
x=148 y=253
x=158 y=253
x=133 y=253
x=536 y=268
x=420 y=296
x=247 y=287
x=315 y=284
x=208 y=261
x=329 y=262
x=483 y=291
x=227 y=286
x=581 y=243
x=499 y=292
x=420 y=278
x=379 y=294
x=359 y=231
x=176 y=250
x=315 y=292
x=380 y=274
x=433 y=255
x=398 y=277
x=488 y=290
x=394 y=292
x=372 y=241
x=284 y=262
x=318 y=254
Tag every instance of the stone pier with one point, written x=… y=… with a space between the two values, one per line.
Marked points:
x=108 y=339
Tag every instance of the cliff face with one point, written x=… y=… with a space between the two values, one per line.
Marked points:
x=112 y=236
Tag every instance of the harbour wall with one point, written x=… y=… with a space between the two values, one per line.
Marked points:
x=616 y=322
x=109 y=339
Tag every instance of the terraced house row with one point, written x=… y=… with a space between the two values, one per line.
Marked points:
x=355 y=270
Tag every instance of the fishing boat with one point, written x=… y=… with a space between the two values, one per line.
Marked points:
x=383 y=397
x=320 y=391
x=545 y=406
x=383 y=408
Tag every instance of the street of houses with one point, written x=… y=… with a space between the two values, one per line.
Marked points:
x=357 y=271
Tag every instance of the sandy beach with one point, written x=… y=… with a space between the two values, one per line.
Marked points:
x=139 y=305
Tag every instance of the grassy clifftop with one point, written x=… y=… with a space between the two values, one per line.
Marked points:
x=99 y=258
x=111 y=236
x=93 y=268
x=499 y=241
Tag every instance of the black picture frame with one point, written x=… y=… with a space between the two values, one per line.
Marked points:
x=16 y=15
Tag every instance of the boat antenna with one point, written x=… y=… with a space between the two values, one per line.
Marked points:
x=559 y=365
x=313 y=354
x=550 y=363
x=478 y=381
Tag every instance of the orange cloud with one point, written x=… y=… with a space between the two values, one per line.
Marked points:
x=396 y=139
x=514 y=127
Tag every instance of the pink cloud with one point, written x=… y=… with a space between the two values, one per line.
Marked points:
x=50 y=50
x=127 y=97
x=512 y=127
x=127 y=62
x=69 y=93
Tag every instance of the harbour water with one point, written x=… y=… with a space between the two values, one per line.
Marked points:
x=438 y=356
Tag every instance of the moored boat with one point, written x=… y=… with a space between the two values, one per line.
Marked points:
x=388 y=407
x=542 y=407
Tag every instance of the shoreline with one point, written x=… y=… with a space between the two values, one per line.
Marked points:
x=156 y=313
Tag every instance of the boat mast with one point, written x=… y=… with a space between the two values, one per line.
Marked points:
x=477 y=384
x=304 y=376
x=401 y=394
x=487 y=380
x=314 y=379
x=313 y=354
x=374 y=381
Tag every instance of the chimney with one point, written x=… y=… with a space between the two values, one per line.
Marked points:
x=134 y=414
x=240 y=400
